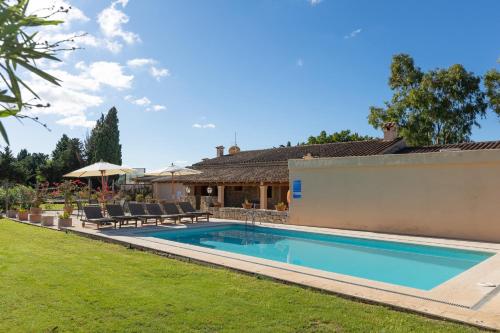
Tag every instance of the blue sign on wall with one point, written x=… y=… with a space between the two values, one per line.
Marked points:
x=297 y=189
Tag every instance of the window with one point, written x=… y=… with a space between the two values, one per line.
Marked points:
x=238 y=188
x=269 y=192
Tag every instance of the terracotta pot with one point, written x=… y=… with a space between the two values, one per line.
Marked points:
x=23 y=216
x=35 y=210
x=35 y=218
x=247 y=205
x=280 y=208
x=64 y=223
x=47 y=220
x=12 y=213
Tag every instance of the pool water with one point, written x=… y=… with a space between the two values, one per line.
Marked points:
x=417 y=266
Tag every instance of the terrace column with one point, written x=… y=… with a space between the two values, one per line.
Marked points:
x=220 y=195
x=263 y=196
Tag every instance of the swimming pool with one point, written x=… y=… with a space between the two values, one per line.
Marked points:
x=417 y=266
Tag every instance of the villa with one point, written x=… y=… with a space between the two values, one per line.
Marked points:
x=261 y=176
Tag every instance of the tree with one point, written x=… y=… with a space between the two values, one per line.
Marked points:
x=492 y=84
x=103 y=143
x=66 y=157
x=20 y=49
x=436 y=107
x=32 y=164
x=10 y=169
x=342 y=136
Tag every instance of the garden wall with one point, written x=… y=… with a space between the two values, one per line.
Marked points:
x=241 y=214
x=446 y=194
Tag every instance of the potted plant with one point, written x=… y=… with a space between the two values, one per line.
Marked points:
x=280 y=206
x=64 y=220
x=37 y=200
x=22 y=214
x=67 y=188
x=47 y=220
x=12 y=212
x=247 y=204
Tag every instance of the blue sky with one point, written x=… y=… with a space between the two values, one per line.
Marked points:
x=186 y=75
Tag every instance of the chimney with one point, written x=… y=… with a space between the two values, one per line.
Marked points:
x=220 y=151
x=390 y=131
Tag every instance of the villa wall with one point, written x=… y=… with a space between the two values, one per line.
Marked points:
x=445 y=194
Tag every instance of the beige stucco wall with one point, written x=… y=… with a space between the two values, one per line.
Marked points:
x=163 y=191
x=446 y=194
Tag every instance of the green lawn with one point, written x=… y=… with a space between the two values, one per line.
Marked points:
x=56 y=282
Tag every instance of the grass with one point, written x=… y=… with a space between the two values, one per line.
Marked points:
x=56 y=282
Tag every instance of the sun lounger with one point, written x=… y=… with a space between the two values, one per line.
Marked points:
x=155 y=209
x=189 y=209
x=93 y=214
x=171 y=209
x=115 y=211
x=137 y=210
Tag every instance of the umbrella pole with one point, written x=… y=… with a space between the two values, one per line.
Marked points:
x=173 y=195
x=103 y=189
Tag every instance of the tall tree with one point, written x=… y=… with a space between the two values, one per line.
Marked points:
x=342 y=136
x=66 y=157
x=492 y=84
x=10 y=169
x=104 y=140
x=435 y=107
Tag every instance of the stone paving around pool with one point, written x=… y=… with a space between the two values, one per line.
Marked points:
x=472 y=297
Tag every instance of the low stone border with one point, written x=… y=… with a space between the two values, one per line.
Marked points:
x=242 y=214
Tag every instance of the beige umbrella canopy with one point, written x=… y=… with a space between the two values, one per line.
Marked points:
x=173 y=170
x=100 y=169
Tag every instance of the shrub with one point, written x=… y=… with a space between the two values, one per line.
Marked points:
x=139 y=197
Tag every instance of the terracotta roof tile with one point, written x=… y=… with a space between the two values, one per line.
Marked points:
x=340 y=149
x=457 y=146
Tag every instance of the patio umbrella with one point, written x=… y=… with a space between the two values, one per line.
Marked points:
x=173 y=170
x=102 y=169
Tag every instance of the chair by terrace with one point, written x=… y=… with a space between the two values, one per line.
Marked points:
x=171 y=209
x=79 y=207
x=115 y=211
x=189 y=209
x=155 y=209
x=137 y=209
x=93 y=214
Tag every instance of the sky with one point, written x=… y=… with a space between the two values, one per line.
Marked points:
x=187 y=75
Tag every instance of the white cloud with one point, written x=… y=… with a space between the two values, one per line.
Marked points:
x=110 y=73
x=139 y=62
x=146 y=102
x=300 y=62
x=353 y=34
x=140 y=101
x=68 y=101
x=158 y=73
x=314 y=2
x=76 y=121
x=209 y=125
x=78 y=91
x=158 y=107
x=111 y=21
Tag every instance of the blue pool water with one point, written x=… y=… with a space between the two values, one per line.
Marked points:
x=416 y=266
